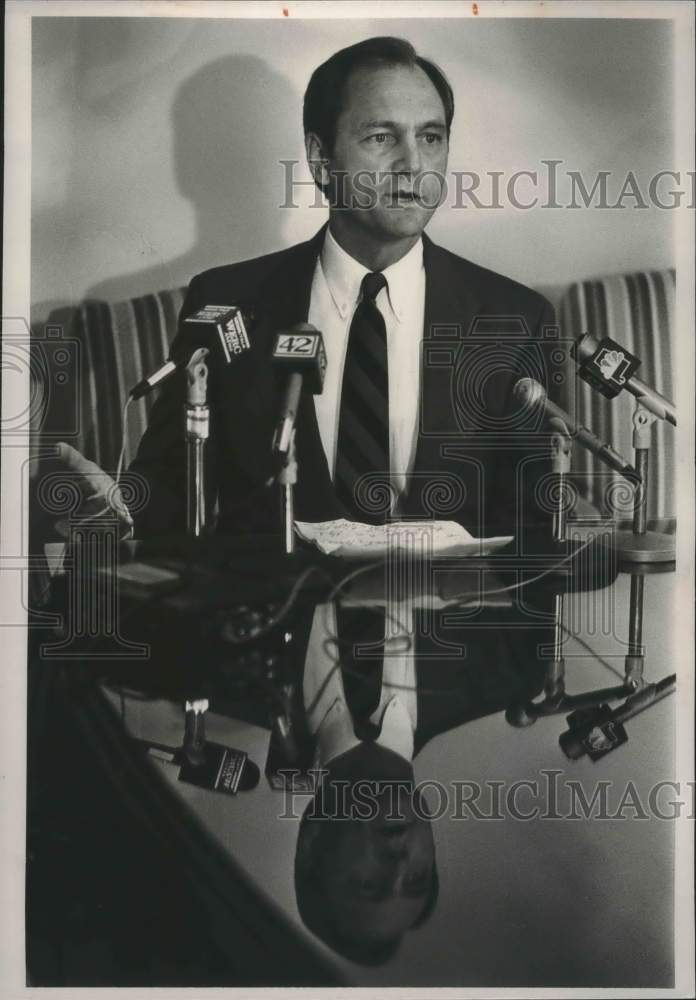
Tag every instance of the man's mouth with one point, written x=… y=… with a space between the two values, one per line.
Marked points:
x=405 y=198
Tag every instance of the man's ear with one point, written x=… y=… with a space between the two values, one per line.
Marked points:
x=317 y=160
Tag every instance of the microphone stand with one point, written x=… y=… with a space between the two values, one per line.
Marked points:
x=283 y=725
x=287 y=477
x=594 y=728
x=197 y=431
x=641 y=545
x=555 y=700
x=561 y=446
x=634 y=662
x=587 y=705
x=194 y=730
x=589 y=712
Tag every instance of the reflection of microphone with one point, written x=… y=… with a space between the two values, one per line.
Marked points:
x=597 y=731
x=299 y=353
x=531 y=394
x=609 y=368
x=220 y=329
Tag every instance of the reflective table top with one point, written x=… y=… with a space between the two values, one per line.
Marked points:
x=479 y=852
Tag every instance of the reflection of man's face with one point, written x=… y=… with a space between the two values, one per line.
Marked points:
x=391 y=143
x=378 y=873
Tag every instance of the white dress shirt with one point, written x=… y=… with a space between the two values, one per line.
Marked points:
x=334 y=299
x=324 y=697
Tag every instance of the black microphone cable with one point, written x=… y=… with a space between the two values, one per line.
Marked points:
x=332 y=643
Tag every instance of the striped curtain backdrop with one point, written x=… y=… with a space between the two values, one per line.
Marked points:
x=637 y=311
x=121 y=343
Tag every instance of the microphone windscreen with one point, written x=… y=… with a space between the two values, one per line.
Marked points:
x=529 y=392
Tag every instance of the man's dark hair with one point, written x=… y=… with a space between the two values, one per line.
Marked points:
x=323 y=98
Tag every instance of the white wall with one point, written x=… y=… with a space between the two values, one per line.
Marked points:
x=156 y=142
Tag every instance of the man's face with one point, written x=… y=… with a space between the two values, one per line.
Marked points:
x=378 y=873
x=390 y=153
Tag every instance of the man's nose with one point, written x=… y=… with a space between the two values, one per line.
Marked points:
x=409 y=161
x=395 y=842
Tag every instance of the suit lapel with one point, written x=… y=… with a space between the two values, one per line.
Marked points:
x=450 y=307
x=283 y=301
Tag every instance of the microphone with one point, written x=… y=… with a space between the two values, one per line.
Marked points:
x=533 y=395
x=609 y=368
x=596 y=732
x=221 y=329
x=299 y=354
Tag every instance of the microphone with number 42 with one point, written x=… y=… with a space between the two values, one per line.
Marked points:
x=300 y=359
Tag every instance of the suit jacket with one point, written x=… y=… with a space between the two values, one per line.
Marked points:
x=475 y=461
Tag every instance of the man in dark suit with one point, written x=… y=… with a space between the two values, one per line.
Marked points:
x=423 y=350
x=423 y=347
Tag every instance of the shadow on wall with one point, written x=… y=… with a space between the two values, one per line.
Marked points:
x=229 y=121
x=233 y=120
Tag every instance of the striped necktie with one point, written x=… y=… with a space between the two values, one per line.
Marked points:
x=362 y=466
x=362 y=448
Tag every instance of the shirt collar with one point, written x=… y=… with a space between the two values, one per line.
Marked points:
x=336 y=735
x=344 y=275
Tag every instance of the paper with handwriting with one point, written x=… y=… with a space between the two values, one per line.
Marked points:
x=351 y=539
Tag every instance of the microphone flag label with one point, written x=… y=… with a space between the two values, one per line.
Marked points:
x=234 y=335
x=228 y=323
x=610 y=368
x=303 y=352
x=297 y=345
x=220 y=771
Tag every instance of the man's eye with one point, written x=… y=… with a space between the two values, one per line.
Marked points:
x=432 y=137
x=380 y=138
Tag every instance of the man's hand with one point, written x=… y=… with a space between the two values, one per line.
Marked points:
x=99 y=494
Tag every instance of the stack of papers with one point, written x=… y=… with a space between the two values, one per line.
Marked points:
x=350 y=539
